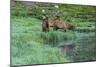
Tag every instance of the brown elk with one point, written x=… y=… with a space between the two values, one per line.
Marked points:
x=59 y=24
x=45 y=24
x=56 y=24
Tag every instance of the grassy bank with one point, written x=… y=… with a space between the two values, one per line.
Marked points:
x=32 y=46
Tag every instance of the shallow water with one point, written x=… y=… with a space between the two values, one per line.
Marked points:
x=85 y=47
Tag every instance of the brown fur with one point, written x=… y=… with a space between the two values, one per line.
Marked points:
x=72 y=26
x=58 y=24
x=45 y=25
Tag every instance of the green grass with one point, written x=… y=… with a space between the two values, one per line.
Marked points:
x=32 y=46
x=86 y=48
x=28 y=46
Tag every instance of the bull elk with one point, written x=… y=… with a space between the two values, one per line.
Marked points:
x=60 y=25
x=56 y=24
x=47 y=24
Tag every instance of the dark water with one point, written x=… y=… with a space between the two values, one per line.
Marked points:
x=75 y=45
x=85 y=47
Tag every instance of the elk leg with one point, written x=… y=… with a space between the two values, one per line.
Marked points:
x=64 y=30
x=48 y=29
x=55 y=28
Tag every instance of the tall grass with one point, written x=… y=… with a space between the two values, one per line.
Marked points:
x=28 y=44
x=86 y=48
x=55 y=37
x=32 y=46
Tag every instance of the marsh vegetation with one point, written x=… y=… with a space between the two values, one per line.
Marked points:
x=30 y=45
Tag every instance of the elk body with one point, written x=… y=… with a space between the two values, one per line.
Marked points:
x=56 y=24
x=45 y=25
